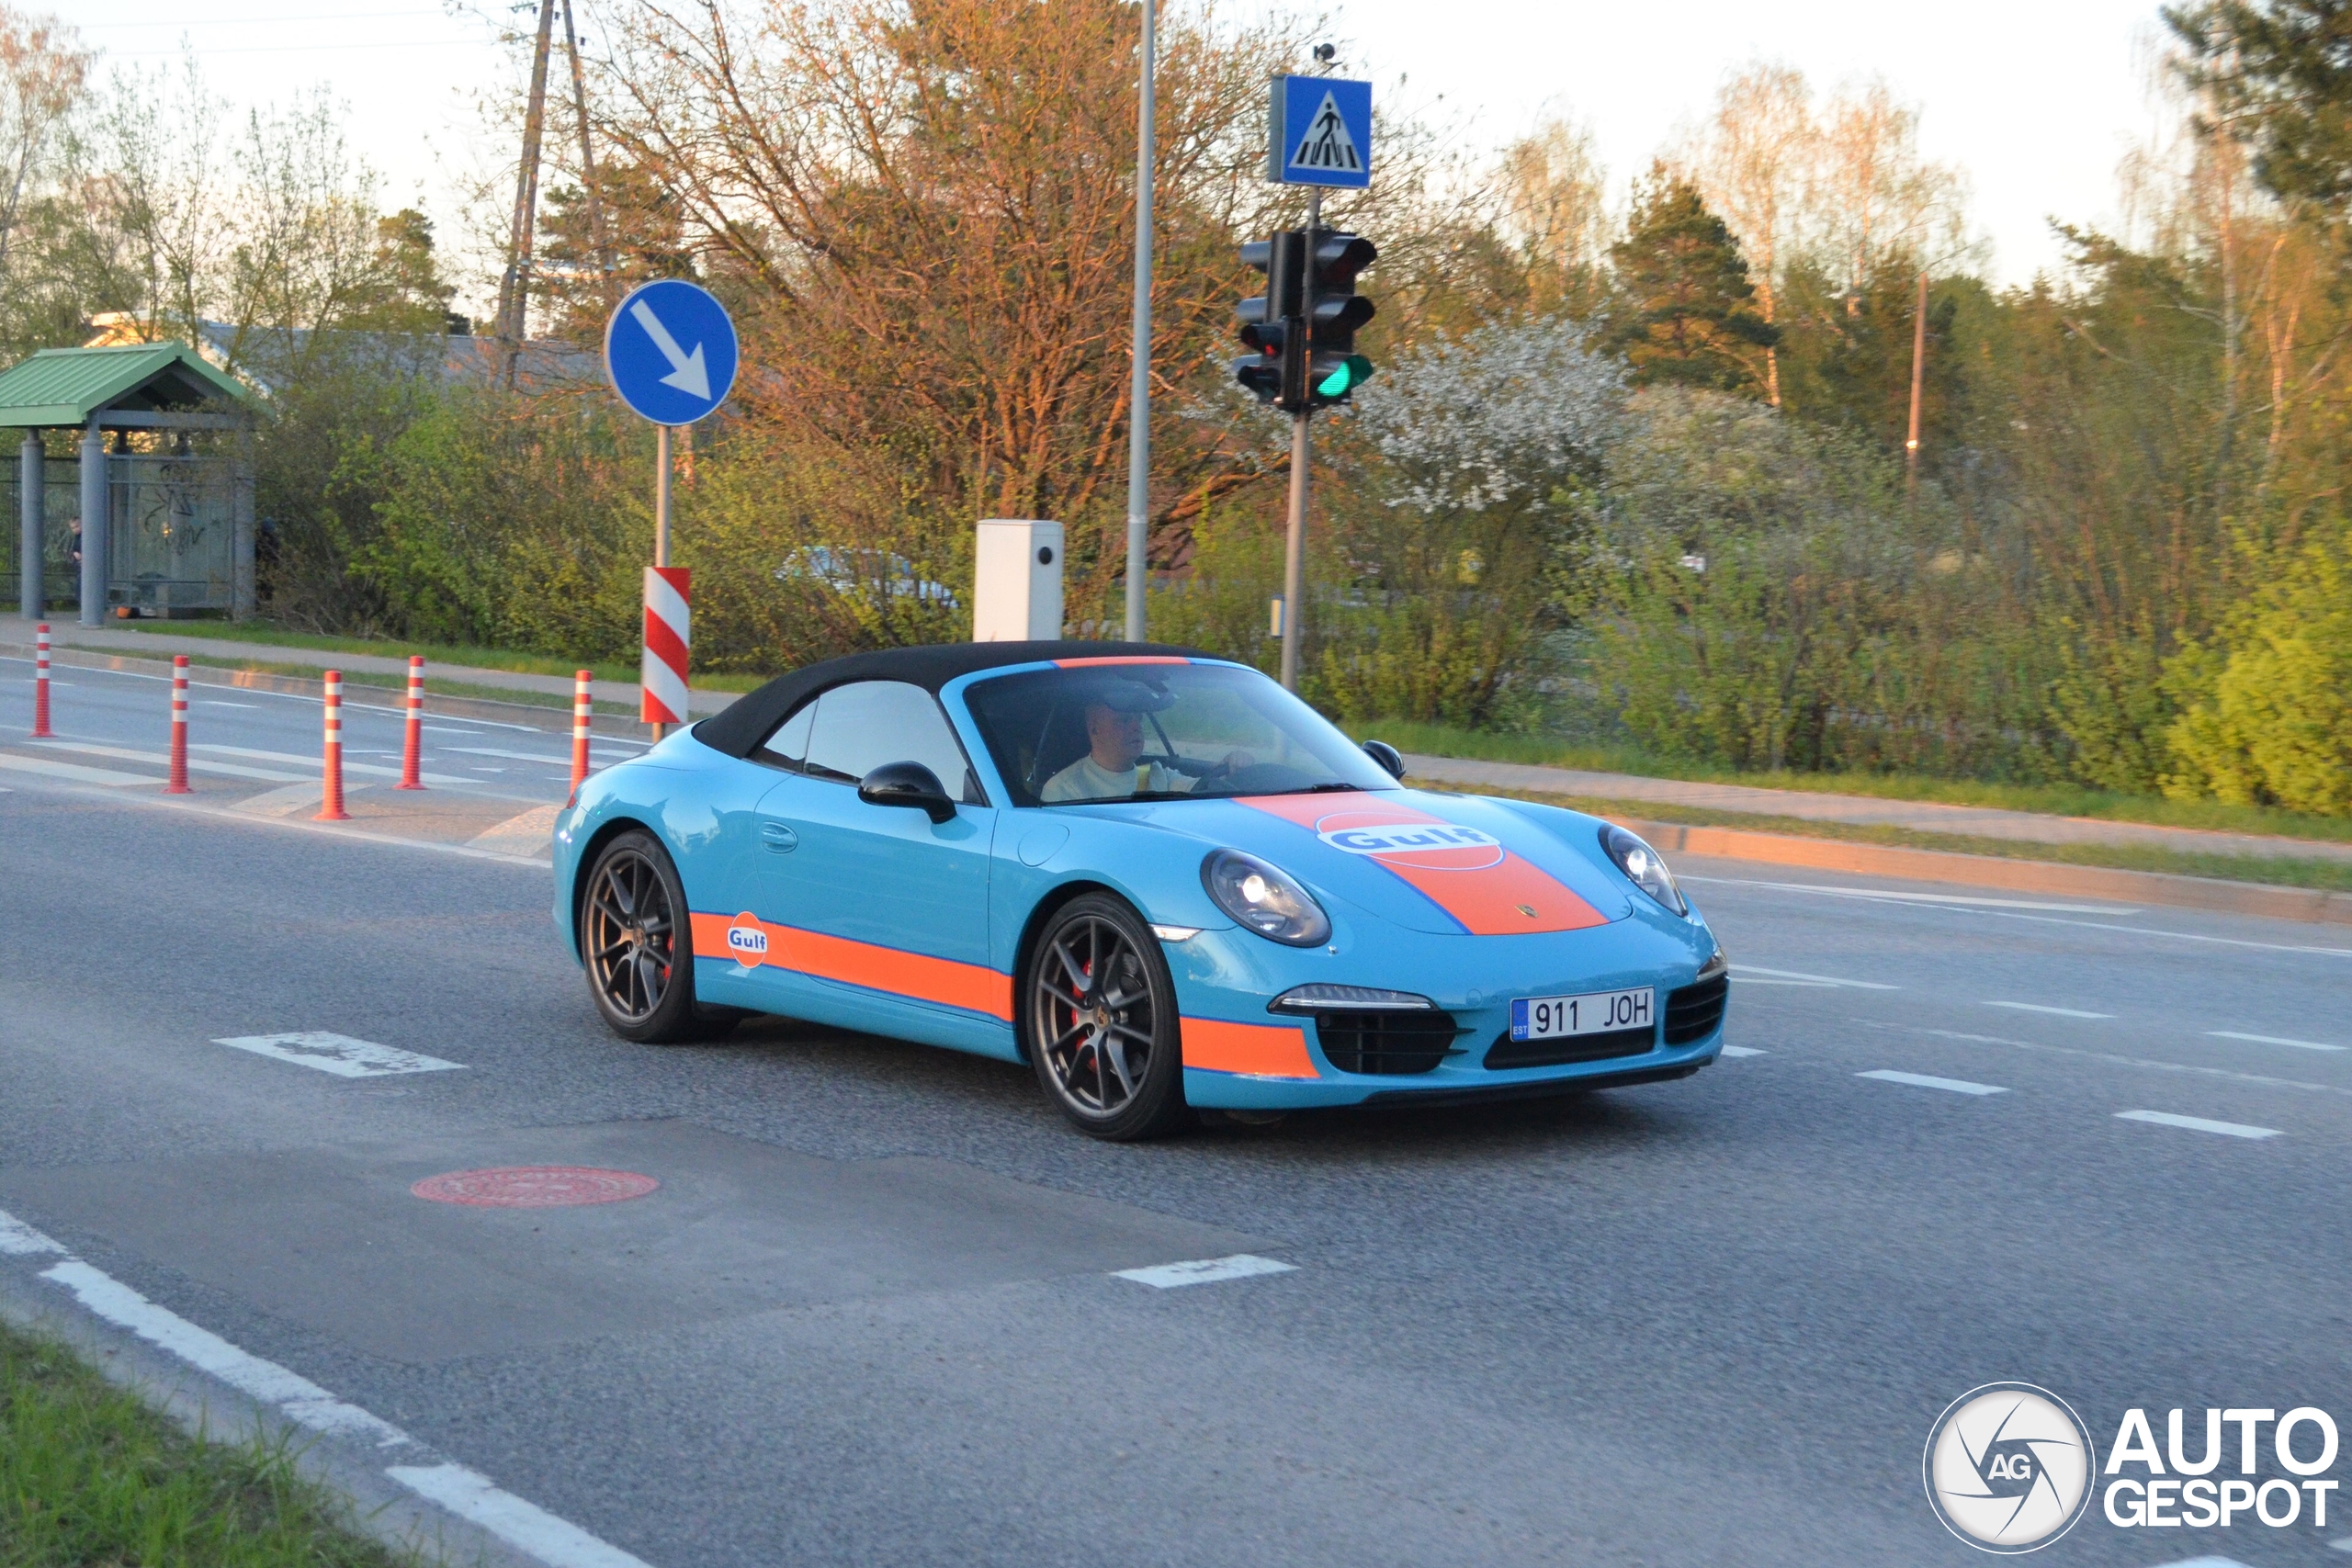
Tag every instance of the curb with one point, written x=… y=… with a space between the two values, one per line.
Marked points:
x=2308 y=904
x=391 y=699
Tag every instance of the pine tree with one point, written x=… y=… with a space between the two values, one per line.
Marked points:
x=2279 y=71
x=1685 y=311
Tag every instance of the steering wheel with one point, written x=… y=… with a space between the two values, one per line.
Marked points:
x=1191 y=767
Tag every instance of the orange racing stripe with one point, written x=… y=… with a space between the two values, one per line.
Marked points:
x=1259 y=1050
x=1490 y=890
x=944 y=981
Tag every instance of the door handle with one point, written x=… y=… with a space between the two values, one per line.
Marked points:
x=779 y=837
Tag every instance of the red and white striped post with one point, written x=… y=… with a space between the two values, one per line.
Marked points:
x=667 y=638
x=178 y=782
x=581 y=711
x=331 y=803
x=40 y=681
x=413 y=749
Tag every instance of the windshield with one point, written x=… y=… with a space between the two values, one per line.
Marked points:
x=1159 y=732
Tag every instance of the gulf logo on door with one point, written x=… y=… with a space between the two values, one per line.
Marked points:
x=1464 y=871
x=748 y=940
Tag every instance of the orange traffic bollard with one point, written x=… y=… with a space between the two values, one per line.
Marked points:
x=178 y=784
x=580 y=714
x=40 y=681
x=331 y=803
x=413 y=752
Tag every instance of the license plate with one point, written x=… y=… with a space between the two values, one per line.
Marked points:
x=1595 y=1012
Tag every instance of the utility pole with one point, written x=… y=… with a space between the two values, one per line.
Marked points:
x=1140 y=391
x=1295 y=540
x=605 y=280
x=514 y=289
x=1919 y=366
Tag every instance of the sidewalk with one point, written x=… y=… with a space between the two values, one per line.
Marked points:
x=163 y=645
x=1926 y=816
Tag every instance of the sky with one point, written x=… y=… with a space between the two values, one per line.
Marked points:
x=2035 y=102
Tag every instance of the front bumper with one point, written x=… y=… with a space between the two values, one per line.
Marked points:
x=1230 y=976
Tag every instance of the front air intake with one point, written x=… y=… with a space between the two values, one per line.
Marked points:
x=1387 y=1043
x=1696 y=1012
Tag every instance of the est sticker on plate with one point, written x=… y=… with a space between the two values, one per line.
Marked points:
x=1595 y=1012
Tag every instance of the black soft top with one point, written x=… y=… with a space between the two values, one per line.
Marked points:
x=747 y=721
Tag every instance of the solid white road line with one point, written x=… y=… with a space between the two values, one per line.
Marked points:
x=522 y=1525
x=111 y=777
x=2199 y=1124
x=217 y=703
x=300 y=1399
x=2270 y=1040
x=1738 y=970
x=2054 y=1012
x=1742 y=1051
x=338 y=1053
x=516 y=756
x=510 y=1519
x=1203 y=1271
x=1921 y=1080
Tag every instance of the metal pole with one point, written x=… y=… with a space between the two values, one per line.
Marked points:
x=1139 y=394
x=1919 y=364
x=661 y=496
x=94 y=510
x=1295 y=544
x=661 y=515
x=29 y=601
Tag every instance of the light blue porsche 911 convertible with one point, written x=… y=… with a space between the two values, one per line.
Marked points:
x=1155 y=875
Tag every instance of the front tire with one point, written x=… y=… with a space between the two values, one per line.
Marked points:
x=1098 y=1018
x=638 y=941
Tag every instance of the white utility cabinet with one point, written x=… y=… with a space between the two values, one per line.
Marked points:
x=1017 y=581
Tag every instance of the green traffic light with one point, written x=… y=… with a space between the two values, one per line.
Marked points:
x=1353 y=372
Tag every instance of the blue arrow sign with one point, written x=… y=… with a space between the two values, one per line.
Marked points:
x=671 y=352
x=1319 y=133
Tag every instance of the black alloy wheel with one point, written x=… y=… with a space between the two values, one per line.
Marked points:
x=638 y=941
x=1100 y=1021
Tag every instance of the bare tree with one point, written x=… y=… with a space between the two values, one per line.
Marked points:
x=1875 y=201
x=1551 y=197
x=42 y=69
x=1753 y=162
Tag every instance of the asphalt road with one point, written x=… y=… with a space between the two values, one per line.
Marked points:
x=872 y=1314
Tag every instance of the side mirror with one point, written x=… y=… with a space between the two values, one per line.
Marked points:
x=907 y=784
x=1387 y=756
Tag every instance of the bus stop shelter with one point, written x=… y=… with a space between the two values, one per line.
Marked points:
x=163 y=529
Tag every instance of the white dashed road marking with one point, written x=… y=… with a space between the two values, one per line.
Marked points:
x=1742 y=1051
x=2054 y=1012
x=530 y=1528
x=163 y=760
x=2199 y=1124
x=1921 y=1080
x=112 y=777
x=338 y=1053
x=2270 y=1040
x=1205 y=1270
x=1792 y=978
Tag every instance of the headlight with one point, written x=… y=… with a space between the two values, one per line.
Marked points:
x=1643 y=868
x=1264 y=899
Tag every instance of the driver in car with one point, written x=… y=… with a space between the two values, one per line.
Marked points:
x=1113 y=767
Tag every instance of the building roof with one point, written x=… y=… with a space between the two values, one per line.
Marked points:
x=61 y=386
x=747 y=720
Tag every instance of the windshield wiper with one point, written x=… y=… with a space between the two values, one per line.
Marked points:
x=1329 y=788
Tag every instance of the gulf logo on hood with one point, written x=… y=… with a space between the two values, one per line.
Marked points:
x=1464 y=871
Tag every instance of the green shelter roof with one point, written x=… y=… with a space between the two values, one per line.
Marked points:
x=61 y=386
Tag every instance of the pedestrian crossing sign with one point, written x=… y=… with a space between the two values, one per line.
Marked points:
x=1319 y=133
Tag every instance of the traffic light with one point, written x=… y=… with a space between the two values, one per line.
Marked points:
x=1336 y=369
x=1276 y=371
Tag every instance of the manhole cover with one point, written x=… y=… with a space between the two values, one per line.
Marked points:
x=533 y=1187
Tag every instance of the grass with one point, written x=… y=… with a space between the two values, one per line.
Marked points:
x=460 y=656
x=2327 y=875
x=2055 y=799
x=90 y=1477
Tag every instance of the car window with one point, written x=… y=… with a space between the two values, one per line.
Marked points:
x=862 y=726
x=789 y=744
